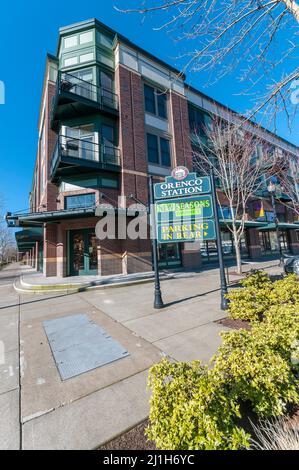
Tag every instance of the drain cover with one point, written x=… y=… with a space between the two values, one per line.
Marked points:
x=80 y=345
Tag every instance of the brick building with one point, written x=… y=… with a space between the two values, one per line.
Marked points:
x=110 y=115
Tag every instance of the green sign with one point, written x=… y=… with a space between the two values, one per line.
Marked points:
x=188 y=207
x=180 y=232
x=191 y=185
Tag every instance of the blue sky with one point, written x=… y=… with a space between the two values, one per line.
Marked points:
x=29 y=29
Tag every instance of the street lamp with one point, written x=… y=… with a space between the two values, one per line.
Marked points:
x=272 y=191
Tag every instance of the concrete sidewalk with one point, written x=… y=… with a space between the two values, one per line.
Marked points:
x=44 y=412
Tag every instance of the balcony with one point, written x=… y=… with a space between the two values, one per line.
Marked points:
x=75 y=97
x=72 y=156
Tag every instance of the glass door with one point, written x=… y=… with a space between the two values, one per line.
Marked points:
x=107 y=89
x=83 y=252
x=83 y=86
x=169 y=255
x=79 y=142
x=87 y=143
x=108 y=139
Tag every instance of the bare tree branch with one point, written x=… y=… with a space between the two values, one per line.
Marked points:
x=228 y=34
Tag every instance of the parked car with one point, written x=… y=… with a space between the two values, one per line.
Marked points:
x=291 y=265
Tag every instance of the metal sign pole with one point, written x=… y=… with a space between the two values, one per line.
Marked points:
x=223 y=285
x=158 y=302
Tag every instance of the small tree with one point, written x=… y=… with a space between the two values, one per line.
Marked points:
x=287 y=179
x=7 y=243
x=232 y=152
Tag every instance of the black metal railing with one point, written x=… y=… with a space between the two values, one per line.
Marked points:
x=84 y=149
x=69 y=83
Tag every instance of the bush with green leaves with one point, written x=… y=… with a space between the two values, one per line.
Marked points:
x=249 y=365
x=285 y=291
x=194 y=407
x=249 y=303
x=189 y=410
x=280 y=330
x=256 y=278
x=259 y=294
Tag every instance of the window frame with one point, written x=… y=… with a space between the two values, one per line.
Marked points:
x=82 y=195
x=158 y=138
x=157 y=93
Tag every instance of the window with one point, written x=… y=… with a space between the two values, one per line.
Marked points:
x=109 y=180
x=80 y=201
x=155 y=101
x=198 y=120
x=82 y=83
x=86 y=57
x=106 y=80
x=149 y=96
x=86 y=37
x=162 y=105
x=70 y=61
x=158 y=150
x=165 y=152
x=107 y=84
x=71 y=41
x=107 y=134
x=152 y=148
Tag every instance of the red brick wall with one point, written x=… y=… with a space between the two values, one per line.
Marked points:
x=181 y=130
x=50 y=252
x=129 y=87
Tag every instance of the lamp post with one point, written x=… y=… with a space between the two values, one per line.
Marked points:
x=272 y=190
x=223 y=283
x=158 y=302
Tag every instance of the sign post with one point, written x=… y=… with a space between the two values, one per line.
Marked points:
x=158 y=302
x=223 y=284
x=184 y=209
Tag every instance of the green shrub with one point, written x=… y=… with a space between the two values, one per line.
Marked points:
x=193 y=407
x=249 y=303
x=190 y=411
x=256 y=278
x=285 y=291
x=280 y=330
x=259 y=294
x=250 y=367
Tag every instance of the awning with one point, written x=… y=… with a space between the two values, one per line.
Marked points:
x=247 y=223
x=26 y=239
x=281 y=226
x=37 y=219
x=32 y=219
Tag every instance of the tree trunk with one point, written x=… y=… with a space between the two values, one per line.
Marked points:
x=238 y=254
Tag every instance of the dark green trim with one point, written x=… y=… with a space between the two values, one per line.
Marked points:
x=247 y=223
x=281 y=226
x=86 y=270
x=77 y=27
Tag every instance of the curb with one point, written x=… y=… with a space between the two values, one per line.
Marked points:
x=72 y=288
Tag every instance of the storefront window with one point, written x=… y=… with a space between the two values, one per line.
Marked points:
x=268 y=241
x=209 y=249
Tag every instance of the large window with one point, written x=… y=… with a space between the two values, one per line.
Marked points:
x=158 y=150
x=80 y=201
x=106 y=80
x=198 y=120
x=90 y=181
x=155 y=101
